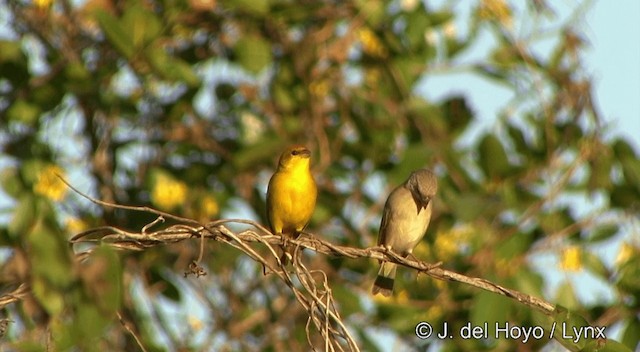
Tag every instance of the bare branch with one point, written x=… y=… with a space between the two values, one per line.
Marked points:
x=312 y=289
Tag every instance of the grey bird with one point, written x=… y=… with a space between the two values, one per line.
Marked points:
x=405 y=219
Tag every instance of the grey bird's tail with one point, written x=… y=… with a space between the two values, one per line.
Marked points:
x=384 y=282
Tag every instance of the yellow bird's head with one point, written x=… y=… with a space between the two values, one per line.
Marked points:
x=294 y=157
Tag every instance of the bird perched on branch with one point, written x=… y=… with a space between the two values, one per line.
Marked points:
x=291 y=196
x=405 y=219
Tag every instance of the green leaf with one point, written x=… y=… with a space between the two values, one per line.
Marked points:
x=630 y=337
x=529 y=281
x=623 y=150
x=264 y=149
x=565 y=321
x=142 y=25
x=49 y=254
x=116 y=34
x=255 y=7
x=373 y=11
x=171 y=68
x=555 y=220
x=514 y=246
x=85 y=331
x=406 y=71
x=604 y=345
x=253 y=53
x=624 y=196
x=602 y=233
x=414 y=157
x=438 y=18
x=454 y=47
x=167 y=288
x=631 y=171
x=469 y=206
x=46 y=96
x=11 y=51
x=600 y=173
x=458 y=114
x=283 y=98
x=629 y=274
x=78 y=79
x=517 y=138
x=566 y=296
x=47 y=295
x=23 y=111
x=595 y=264
x=417 y=24
x=493 y=158
x=101 y=275
x=349 y=300
x=485 y=309
x=23 y=217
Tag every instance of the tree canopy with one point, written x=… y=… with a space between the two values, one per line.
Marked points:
x=183 y=107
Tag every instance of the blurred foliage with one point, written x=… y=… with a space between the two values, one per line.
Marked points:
x=184 y=105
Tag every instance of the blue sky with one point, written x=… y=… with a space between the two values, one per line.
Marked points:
x=613 y=28
x=612 y=56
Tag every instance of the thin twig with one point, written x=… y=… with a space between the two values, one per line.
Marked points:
x=130 y=330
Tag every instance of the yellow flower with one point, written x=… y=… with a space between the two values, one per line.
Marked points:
x=167 y=193
x=75 y=225
x=409 y=5
x=422 y=251
x=42 y=4
x=371 y=44
x=319 y=88
x=570 y=259
x=372 y=77
x=194 y=323
x=49 y=184
x=434 y=312
x=450 y=30
x=209 y=206
x=402 y=297
x=497 y=10
x=383 y=299
x=252 y=127
x=625 y=253
x=445 y=245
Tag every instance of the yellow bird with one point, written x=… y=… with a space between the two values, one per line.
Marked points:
x=291 y=196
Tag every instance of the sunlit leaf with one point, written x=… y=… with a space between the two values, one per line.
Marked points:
x=141 y=24
x=23 y=111
x=116 y=34
x=253 y=53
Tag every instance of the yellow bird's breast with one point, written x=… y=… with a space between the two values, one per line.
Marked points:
x=291 y=198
